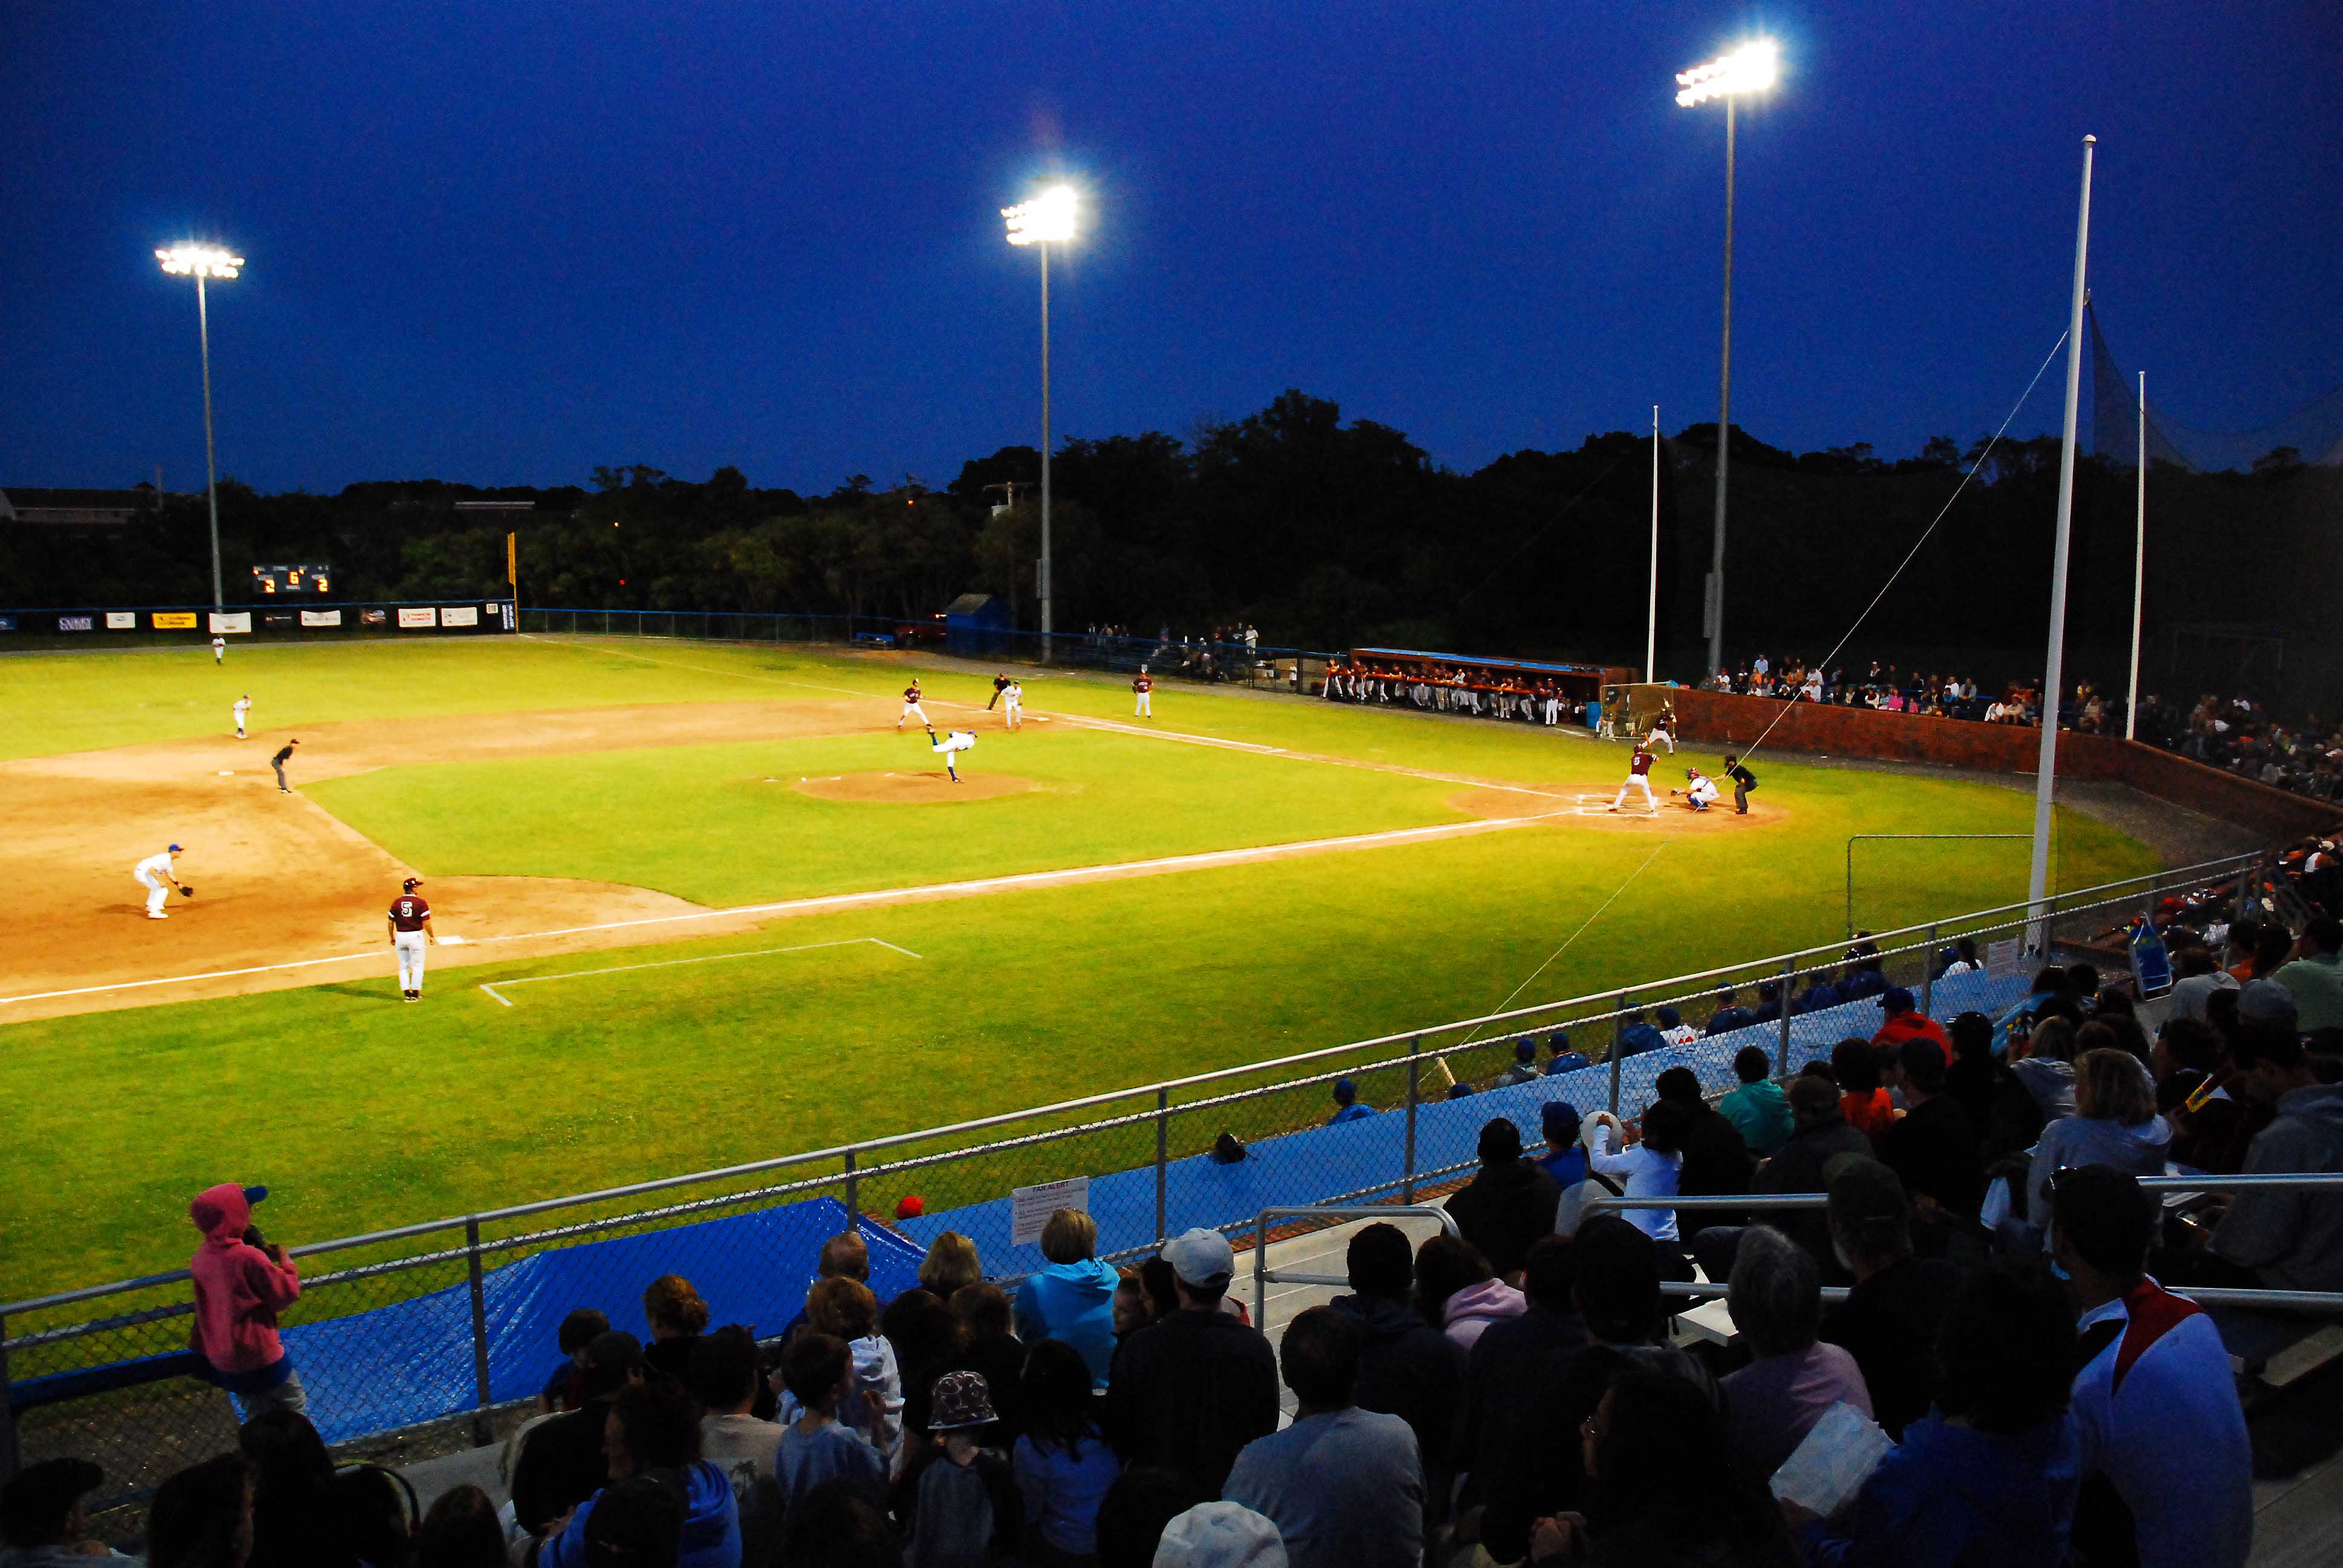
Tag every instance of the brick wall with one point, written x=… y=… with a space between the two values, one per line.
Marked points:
x=1724 y=721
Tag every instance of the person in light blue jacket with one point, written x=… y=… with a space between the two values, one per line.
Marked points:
x=1071 y=1298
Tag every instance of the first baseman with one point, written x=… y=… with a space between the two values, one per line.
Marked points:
x=1639 y=777
x=1013 y=705
x=278 y=763
x=912 y=708
x=1143 y=688
x=240 y=707
x=410 y=933
x=155 y=873
x=958 y=741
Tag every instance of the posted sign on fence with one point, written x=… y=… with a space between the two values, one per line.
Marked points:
x=1031 y=1207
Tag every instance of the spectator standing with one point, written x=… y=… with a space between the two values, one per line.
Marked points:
x=1513 y=1360
x=1508 y=1204
x=951 y=1263
x=1889 y=1320
x=202 y=1516
x=1344 y=1486
x=677 y=1317
x=846 y=1310
x=1999 y=1108
x=958 y=1495
x=652 y=1433
x=241 y=1283
x=1991 y=1475
x=1346 y=1103
x=1196 y=1386
x=1071 y=1296
x=926 y=1339
x=2169 y=1466
x=1717 y=1162
x=817 y=1447
x=988 y=1346
x=1776 y=1300
x=1758 y=1110
x=1407 y=1368
x=561 y=1461
x=844 y=1256
x=724 y=1380
x=1456 y=1291
x=2315 y=978
x=1934 y=1147
x=1822 y=1135
x=43 y=1523
x=1062 y=1463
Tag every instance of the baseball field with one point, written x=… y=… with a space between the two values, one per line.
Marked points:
x=715 y=906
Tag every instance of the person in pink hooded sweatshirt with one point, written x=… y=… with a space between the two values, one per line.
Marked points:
x=241 y=1284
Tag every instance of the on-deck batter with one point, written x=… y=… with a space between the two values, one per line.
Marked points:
x=912 y=708
x=410 y=933
x=155 y=873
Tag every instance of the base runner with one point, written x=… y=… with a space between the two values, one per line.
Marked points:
x=410 y=933
x=1639 y=777
x=1143 y=690
x=1744 y=781
x=912 y=708
x=958 y=741
x=155 y=873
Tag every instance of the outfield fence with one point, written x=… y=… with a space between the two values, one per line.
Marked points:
x=431 y=1336
x=289 y=619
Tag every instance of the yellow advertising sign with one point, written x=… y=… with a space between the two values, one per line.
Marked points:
x=174 y=621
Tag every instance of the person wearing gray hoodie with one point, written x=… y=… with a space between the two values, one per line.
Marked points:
x=2287 y=1239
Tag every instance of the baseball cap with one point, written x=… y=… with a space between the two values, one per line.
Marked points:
x=1525 y=1049
x=911 y=1206
x=1896 y=999
x=36 y=1499
x=1220 y=1535
x=1201 y=1257
x=1559 y=1119
x=961 y=1400
x=174 y=850
x=2267 y=1001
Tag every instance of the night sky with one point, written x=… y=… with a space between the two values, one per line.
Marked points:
x=503 y=243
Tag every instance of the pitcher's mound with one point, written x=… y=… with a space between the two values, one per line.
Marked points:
x=913 y=789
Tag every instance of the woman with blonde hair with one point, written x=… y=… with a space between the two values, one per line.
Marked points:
x=677 y=1317
x=951 y=1263
x=1071 y=1297
x=2115 y=1124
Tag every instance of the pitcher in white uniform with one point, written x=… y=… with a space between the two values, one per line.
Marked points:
x=155 y=873
x=958 y=741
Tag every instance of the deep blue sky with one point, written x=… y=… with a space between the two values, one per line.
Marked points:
x=504 y=242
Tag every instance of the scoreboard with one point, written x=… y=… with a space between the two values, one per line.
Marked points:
x=274 y=582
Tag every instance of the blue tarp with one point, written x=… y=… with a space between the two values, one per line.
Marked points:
x=411 y=1361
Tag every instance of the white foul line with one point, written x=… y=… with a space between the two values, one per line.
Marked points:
x=705 y=958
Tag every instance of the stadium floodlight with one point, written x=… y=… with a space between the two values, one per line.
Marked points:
x=1045 y=220
x=199 y=262
x=1752 y=69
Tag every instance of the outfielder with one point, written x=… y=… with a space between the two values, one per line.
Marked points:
x=240 y=707
x=410 y=933
x=278 y=763
x=1639 y=777
x=912 y=708
x=958 y=741
x=1012 y=704
x=1143 y=688
x=1699 y=791
x=219 y=648
x=155 y=873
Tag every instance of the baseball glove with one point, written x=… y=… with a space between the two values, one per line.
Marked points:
x=185 y=891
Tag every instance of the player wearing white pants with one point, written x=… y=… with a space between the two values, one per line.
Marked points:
x=155 y=874
x=240 y=707
x=1699 y=791
x=1664 y=729
x=219 y=648
x=912 y=708
x=410 y=934
x=1013 y=705
x=1142 y=691
x=958 y=741
x=1639 y=777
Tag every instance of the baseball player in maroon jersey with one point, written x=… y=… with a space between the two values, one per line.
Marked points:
x=912 y=708
x=1140 y=689
x=1639 y=777
x=410 y=933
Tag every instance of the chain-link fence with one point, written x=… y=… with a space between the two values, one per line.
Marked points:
x=431 y=1335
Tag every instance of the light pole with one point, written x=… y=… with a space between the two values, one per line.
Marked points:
x=1047 y=219
x=1651 y=612
x=1751 y=68
x=2139 y=572
x=200 y=262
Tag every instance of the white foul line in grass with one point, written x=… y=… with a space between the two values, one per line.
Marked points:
x=704 y=958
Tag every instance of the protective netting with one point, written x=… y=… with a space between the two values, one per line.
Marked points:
x=2312 y=435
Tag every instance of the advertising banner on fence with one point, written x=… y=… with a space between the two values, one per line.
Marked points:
x=510 y=615
x=235 y=620
x=459 y=615
x=121 y=620
x=1030 y=1207
x=7 y=623
x=174 y=621
x=74 y=623
x=413 y=617
x=321 y=617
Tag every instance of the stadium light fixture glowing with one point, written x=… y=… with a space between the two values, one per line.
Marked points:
x=1752 y=69
x=199 y=261
x=1047 y=219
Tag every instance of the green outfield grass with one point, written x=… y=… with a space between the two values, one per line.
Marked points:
x=360 y=1113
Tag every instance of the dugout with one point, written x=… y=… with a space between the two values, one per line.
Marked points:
x=975 y=625
x=1580 y=683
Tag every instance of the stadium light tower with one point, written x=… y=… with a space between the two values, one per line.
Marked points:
x=1045 y=220
x=200 y=262
x=1752 y=69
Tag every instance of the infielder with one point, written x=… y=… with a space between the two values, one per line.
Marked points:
x=410 y=933
x=278 y=763
x=240 y=707
x=1143 y=688
x=1639 y=777
x=155 y=873
x=1699 y=791
x=958 y=741
x=1012 y=704
x=219 y=648
x=912 y=708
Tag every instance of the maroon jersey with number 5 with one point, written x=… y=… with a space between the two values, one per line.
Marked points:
x=409 y=912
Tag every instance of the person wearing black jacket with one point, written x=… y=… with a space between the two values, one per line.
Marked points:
x=1934 y=1149
x=1509 y=1205
x=561 y=1462
x=1515 y=1357
x=1888 y=1321
x=1716 y=1160
x=1194 y=1388
x=1407 y=1368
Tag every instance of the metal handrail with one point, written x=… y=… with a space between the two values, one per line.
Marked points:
x=1263 y=1276
x=1163 y=1088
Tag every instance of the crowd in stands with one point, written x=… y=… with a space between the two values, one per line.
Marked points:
x=2238 y=735
x=1446 y=688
